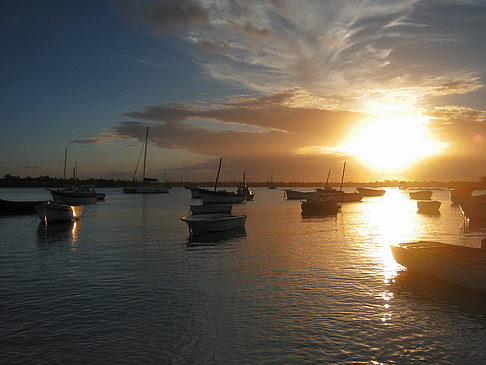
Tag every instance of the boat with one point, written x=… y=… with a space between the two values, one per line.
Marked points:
x=220 y=196
x=55 y=212
x=194 y=192
x=428 y=206
x=210 y=209
x=459 y=265
x=339 y=195
x=290 y=194
x=10 y=207
x=319 y=207
x=206 y=223
x=145 y=188
x=421 y=195
x=461 y=193
x=92 y=189
x=73 y=196
x=474 y=208
x=243 y=189
x=371 y=191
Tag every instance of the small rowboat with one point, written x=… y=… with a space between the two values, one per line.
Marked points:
x=205 y=223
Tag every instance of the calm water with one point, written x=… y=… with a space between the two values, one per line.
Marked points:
x=125 y=285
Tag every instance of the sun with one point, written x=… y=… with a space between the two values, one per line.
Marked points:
x=392 y=142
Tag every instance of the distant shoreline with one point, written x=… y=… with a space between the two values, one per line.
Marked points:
x=10 y=181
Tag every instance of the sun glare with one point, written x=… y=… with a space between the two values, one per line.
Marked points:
x=392 y=142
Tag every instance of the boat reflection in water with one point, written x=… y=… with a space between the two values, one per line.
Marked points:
x=210 y=239
x=63 y=232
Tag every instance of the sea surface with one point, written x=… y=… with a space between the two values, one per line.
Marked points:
x=126 y=285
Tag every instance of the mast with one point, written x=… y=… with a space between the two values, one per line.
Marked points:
x=327 y=180
x=217 y=176
x=342 y=178
x=65 y=159
x=145 y=155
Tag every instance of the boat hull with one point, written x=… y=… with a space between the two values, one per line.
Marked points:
x=72 y=197
x=318 y=207
x=459 y=265
x=55 y=212
x=220 y=197
x=8 y=207
x=210 y=209
x=207 y=223
x=421 y=195
x=428 y=206
x=371 y=192
x=290 y=194
x=474 y=208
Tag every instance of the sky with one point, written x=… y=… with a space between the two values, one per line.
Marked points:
x=289 y=88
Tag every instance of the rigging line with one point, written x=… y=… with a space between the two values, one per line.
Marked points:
x=138 y=162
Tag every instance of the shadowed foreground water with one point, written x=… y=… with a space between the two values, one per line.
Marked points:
x=126 y=285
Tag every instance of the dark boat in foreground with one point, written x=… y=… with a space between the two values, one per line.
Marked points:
x=320 y=207
x=9 y=207
x=459 y=265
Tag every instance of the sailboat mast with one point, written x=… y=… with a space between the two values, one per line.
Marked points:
x=327 y=180
x=217 y=176
x=65 y=160
x=145 y=155
x=342 y=178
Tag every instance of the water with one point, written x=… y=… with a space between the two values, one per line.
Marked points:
x=126 y=285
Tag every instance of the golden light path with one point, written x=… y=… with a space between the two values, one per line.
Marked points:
x=392 y=142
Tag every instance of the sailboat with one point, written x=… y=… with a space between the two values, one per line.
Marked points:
x=244 y=189
x=145 y=189
x=220 y=196
x=339 y=195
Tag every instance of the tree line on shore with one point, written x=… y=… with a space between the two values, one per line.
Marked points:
x=10 y=181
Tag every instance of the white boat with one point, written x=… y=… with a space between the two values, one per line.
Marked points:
x=73 y=196
x=428 y=206
x=210 y=209
x=290 y=194
x=54 y=212
x=474 y=207
x=320 y=207
x=145 y=188
x=460 y=265
x=206 y=223
x=421 y=195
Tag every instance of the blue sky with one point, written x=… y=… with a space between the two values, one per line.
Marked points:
x=282 y=86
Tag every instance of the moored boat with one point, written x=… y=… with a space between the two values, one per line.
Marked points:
x=210 y=209
x=55 y=212
x=320 y=207
x=371 y=191
x=460 y=265
x=460 y=194
x=205 y=223
x=290 y=194
x=73 y=196
x=421 y=195
x=474 y=208
x=220 y=196
x=428 y=206
x=10 y=207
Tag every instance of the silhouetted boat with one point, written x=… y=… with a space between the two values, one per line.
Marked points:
x=474 y=207
x=290 y=194
x=210 y=209
x=428 y=206
x=421 y=195
x=460 y=194
x=320 y=207
x=206 y=223
x=339 y=195
x=371 y=192
x=271 y=186
x=243 y=189
x=9 y=207
x=73 y=196
x=460 y=265
x=145 y=189
x=55 y=212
